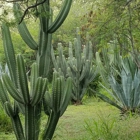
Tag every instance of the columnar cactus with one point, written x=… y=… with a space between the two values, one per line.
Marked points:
x=47 y=27
x=56 y=103
x=78 y=65
x=30 y=95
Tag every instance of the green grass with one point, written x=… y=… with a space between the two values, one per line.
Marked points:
x=93 y=121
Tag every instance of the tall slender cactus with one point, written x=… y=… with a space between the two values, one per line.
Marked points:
x=78 y=65
x=30 y=95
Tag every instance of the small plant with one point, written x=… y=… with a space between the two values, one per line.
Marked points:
x=101 y=129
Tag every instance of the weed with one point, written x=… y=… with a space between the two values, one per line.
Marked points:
x=102 y=128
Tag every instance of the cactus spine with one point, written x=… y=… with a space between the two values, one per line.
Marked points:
x=78 y=65
x=29 y=100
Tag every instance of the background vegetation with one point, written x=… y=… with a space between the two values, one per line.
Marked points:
x=111 y=24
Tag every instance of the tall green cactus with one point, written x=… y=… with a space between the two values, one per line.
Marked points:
x=57 y=102
x=47 y=27
x=78 y=65
x=30 y=95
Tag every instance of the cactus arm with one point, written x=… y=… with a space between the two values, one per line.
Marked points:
x=9 y=110
x=17 y=126
x=39 y=91
x=77 y=48
x=36 y=94
x=18 y=107
x=70 y=50
x=90 y=54
x=16 y=123
x=62 y=60
x=22 y=79
x=51 y=126
x=26 y=36
x=11 y=88
x=9 y=52
x=56 y=94
x=53 y=59
x=85 y=70
x=65 y=65
x=34 y=75
x=3 y=94
x=23 y=30
x=66 y=96
x=61 y=16
x=92 y=74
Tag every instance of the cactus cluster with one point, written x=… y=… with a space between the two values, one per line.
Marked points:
x=78 y=65
x=30 y=92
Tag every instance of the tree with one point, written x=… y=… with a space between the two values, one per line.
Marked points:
x=111 y=20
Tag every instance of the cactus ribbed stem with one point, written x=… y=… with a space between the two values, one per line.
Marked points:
x=51 y=125
x=29 y=122
x=17 y=126
x=29 y=102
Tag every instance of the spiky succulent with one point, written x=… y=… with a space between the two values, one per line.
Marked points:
x=78 y=65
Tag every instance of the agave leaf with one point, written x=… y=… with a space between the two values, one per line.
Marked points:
x=118 y=91
x=127 y=86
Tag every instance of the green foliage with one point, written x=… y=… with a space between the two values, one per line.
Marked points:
x=103 y=128
x=122 y=76
x=93 y=85
x=107 y=21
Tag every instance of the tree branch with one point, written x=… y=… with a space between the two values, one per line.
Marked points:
x=30 y=7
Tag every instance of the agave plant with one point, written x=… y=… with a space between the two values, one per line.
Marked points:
x=123 y=78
